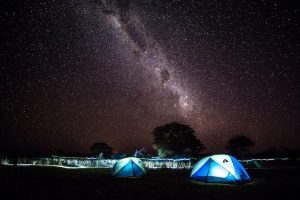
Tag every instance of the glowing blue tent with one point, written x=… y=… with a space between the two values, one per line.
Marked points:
x=219 y=169
x=128 y=167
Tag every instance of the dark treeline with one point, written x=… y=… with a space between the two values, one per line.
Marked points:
x=172 y=140
x=270 y=153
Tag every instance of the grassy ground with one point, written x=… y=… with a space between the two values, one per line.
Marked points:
x=57 y=183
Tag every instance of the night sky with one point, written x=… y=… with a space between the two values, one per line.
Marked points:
x=78 y=72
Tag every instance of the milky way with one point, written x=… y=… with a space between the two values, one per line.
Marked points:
x=148 y=54
x=78 y=72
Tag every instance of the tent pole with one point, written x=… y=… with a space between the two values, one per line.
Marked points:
x=132 y=167
x=208 y=169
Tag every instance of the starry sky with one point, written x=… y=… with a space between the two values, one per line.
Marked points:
x=78 y=72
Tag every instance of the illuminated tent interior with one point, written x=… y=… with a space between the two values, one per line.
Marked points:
x=129 y=167
x=219 y=169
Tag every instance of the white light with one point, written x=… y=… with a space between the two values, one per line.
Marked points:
x=218 y=172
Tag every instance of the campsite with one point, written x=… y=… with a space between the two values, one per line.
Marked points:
x=149 y=100
x=59 y=183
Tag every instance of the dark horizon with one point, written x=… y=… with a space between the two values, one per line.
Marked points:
x=76 y=73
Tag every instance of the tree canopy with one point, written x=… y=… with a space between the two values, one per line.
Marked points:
x=176 y=139
x=101 y=148
x=239 y=145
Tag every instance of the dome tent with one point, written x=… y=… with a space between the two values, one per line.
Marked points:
x=128 y=167
x=219 y=169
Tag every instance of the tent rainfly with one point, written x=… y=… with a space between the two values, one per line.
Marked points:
x=129 y=167
x=219 y=169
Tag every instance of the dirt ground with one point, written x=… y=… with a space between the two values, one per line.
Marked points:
x=58 y=183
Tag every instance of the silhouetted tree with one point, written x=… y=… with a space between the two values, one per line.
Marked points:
x=239 y=146
x=101 y=148
x=176 y=139
x=118 y=155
